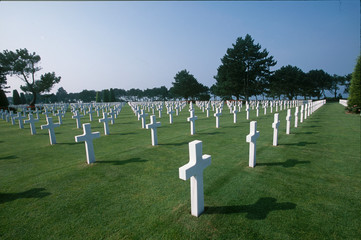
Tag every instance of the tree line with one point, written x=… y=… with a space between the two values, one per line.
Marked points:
x=245 y=72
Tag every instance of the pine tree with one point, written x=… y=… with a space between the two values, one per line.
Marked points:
x=355 y=88
x=98 y=97
x=16 y=97
x=4 y=103
x=22 y=98
x=111 y=95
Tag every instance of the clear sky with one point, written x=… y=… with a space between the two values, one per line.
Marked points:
x=126 y=44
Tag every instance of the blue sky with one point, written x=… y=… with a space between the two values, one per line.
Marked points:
x=99 y=45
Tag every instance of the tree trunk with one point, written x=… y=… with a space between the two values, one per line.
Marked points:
x=33 y=101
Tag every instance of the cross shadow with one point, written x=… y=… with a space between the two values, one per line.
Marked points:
x=8 y=157
x=306 y=132
x=129 y=133
x=173 y=144
x=301 y=144
x=286 y=164
x=32 y=193
x=131 y=160
x=212 y=133
x=74 y=143
x=256 y=211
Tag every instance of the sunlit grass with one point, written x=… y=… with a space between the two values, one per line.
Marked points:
x=308 y=187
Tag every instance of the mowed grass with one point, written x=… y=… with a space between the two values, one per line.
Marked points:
x=308 y=187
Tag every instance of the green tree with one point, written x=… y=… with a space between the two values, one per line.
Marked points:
x=355 y=88
x=321 y=81
x=336 y=81
x=25 y=65
x=111 y=95
x=4 y=103
x=87 y=96
x=243 y=70
x=16 y=97
x=286 y=81
x=106 y=97
x=62 y=95
x=22 y=98
x=98 y=97
x=187 y=86
x=347 y=82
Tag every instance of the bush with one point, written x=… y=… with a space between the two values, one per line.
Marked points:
x=354 y=100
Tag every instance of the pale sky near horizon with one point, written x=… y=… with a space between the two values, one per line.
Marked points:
x=129 y=44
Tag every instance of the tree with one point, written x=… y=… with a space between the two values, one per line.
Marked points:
x=62 y=95
x=16 y=97
x=347 y=82
x=106 y=97
x=98 y=97
x=336 y=81
x=22 y=98
x=321 y=81
x=187 y=86
x=243 y=70
x=4 y=103
x=111 y=95
x=286 y=81
x=25 y=65
x=355 y=88
x=87 y=96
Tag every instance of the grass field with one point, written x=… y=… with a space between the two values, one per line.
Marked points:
x=308 y=187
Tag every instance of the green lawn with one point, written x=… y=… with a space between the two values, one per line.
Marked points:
x=308 y=187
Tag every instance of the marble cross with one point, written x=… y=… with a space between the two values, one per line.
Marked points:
x=217 y=114
x=194 y=170
x=153 y=125
x=32 y=122
x=235 y=114
x=105 y=120
x=77 y=116
x=192 y=119
x=275 y=125
x=288 y=121
x=171 y=115
x=296 y=117
x=88 y=137
x=20 y=118
x=50 y=126
x=142 y=115
x=252 y=139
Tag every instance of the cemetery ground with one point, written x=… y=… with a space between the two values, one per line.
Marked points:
x=308 y=187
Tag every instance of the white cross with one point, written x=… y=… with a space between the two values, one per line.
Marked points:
x=296 y=117
x=160 y=112
x=20 y=118
x=112 y=116
x=105 y=120
x=77 y=116
x=59 y=115
x=142 y=116
x=50 y=126
x=235 y=114
x=12 y=116
x=247 y=111
x=88 y=137
x=257 y=109
x=252 y=139
x=46 y=113
x=217 y=114
x=194 y=170
x=275 y=126
x=208 y=108
x=192 y=119
x=171 y=115
x=288 y=121
x=153 y=129
x=90 y=113
x=301 y=117
x=305 y=110
x=32 y=122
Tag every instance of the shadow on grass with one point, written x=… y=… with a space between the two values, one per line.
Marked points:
x=129 y=133
x=301 y=144
x=173 y=144
x=131 y=160
x=308 y=133
x=211 y=133
x=73 y=143
x=8 y=157
x=32 y=193
x=286 y=164
x=256 y=211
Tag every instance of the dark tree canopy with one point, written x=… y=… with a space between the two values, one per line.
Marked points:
x=286 y=81
x=24 y=65
x=16 y=97
x=187 y=86
x=244 y=69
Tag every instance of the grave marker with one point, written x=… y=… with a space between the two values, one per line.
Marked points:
x=105 y=120
x=192 y=119
x=88 y=137
x=252 y=139
x=32 y=122
x=275 y=125
x=288 y=121
x=153 y=125
x=194 y=170
x=50 y=126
